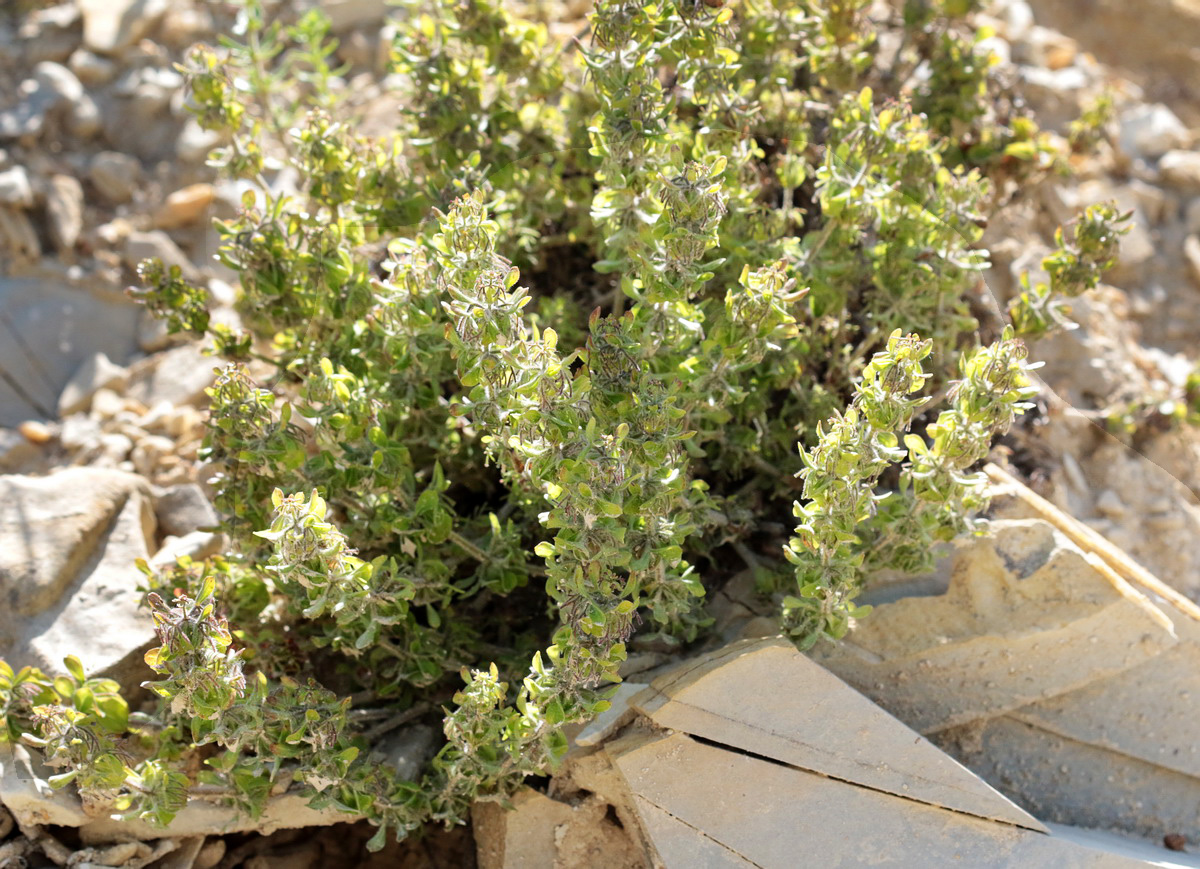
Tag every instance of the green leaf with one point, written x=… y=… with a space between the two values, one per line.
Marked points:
x=73 y=665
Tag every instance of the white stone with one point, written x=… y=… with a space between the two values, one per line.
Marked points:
x=1018 y=20
x=1149 y=131
x=15 y=189
x=156 y=244
x=92 y=69
x=1181 y=169
x=109 y=26
x=197 y=546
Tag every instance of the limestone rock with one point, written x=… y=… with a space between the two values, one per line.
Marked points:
x=64 y=211
x=197 y=545
x=185 y=206
x=542 y=833
x=110 y=26
x=178 y=376
x=51 y=33
x=50 y=328
x=1148 y=712
x=67 y=574
x=1150 y=130
x=25 y=792
x=18 y=238
x=1181 y=169
x=115 y=175
x=702 y=805
x=15 y=189
x=157 y=244
x=1026 y=616
x=620 y=713
x=1070 y=782
x=1191 y=254
x=91 y=69
x=766 y=698
x=97 y=372
x=348 y=14
x=183 y=509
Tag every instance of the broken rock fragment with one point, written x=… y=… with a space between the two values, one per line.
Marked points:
x=1027 y=615
x=766 y=698
x=68 y=543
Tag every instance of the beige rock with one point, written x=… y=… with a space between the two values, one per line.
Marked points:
x=15 y=449
x=542 y=833
x=1181 y=169
x=1027 y=616
x=156 y=244
x=614 y=718
x=210 y=855
x=178 y=376
x=18 y=238
x=35 y=432
x=1150 y=130
x=24 y=790
x=97 y=372
x=115 y=175
x=69 y=542
x=705 y=806
x=1191 y=255
x=1066 y=781
x=64 y=211
x=112 y=25
x=185 y=206
x=1147 y=712
x=765 y=697
x=196 y=545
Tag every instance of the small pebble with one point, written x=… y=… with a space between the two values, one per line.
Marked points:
x=35 y=432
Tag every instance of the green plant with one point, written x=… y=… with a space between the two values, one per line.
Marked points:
x=462 y=498
x=1074 y=267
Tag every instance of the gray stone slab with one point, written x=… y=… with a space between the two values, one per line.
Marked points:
x=68 y=581
x=1149 y=712
x=47 y=329
x=764 y=697
x=1070 y=782
x=1027 y=616
x=773 y=815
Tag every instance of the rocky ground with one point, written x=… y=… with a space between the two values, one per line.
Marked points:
x=1073 y=698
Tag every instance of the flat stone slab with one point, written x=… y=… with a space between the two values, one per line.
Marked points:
x=1028 y=616
x=68 y=579
x=47 y=330
x=1151 y=712
x=1066 y=781
x=704 y=806
x=25 y=792
x=765 y=697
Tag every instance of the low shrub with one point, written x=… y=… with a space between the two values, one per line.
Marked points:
x=525 y=377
